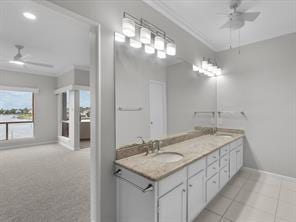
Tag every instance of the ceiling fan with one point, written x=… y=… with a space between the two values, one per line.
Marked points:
x=19 y=59
x=237 y=19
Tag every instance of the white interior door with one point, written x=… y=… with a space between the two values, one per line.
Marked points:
x=157 y=92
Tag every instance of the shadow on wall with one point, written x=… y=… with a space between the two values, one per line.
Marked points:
x=249 y=157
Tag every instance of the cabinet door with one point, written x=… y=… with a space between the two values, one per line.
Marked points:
x=172 y=206
x=224 y=176
x=212 y=187
x=239 y=158
x=196 y=195
x=232 y=163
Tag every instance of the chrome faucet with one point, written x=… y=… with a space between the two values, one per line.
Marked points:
x=155 y=146
x=142 y=140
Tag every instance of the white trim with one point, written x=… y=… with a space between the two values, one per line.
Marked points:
x=72 y=87
x=293 y=179
x=73 y=68
x=28 y=145
x=16 y=88
x=179 y=20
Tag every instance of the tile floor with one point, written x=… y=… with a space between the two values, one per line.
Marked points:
x=253 y=197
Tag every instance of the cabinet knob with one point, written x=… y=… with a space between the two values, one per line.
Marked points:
x=225 y=171
x=214 y=182
x=190 y=185
x=214 y=168
x=184 y=190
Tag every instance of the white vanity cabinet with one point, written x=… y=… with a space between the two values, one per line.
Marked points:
x=181 y=196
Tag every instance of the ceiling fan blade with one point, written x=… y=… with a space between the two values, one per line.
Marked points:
x=226 y=25
x=250 y=16
x=38 y=64
x=26 y=56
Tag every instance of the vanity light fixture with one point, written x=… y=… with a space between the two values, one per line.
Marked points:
x=128 y=27
x=145 y=35
x=204 y=64
x=218 y=72
x=142 y=31
x=161 y=54
x=135 y=44
x=29 y=15
x=149 y=49
x=119 y=37
x=208 y=68
x=159 y=43
x=171 y=49
x=195 y=68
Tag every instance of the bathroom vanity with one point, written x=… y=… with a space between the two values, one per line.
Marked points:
x=150 y=189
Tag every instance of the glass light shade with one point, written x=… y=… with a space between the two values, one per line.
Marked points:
x=29 y=15
x=135 y=44
x=149 y=49
x=171 y=49
x=195 y=68
x=159 y=43
x=219 y=72
x=119 y=37
x=128 y=27
x=161 y=54
x=204 y=64
x=145 y=35
x=210 y=67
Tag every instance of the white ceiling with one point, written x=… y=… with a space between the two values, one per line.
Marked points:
x=52 y=38
x=201 y=19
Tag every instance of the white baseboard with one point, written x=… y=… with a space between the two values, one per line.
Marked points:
x=292 y=179
x=27 y=145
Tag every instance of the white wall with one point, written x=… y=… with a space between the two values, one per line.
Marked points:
x=262 y=82
x=73 y=77
x=45 y=105
x=188 y=92
x=134 y=68
x=109 y=15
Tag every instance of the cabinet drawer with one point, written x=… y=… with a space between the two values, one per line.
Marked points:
x=212 y=187
x=224 y=150
x=212 y=169
x=224 y=160
x=236 y=143
x=196 y=167
x=224 y=176
x=211 y=158
x=172 y=181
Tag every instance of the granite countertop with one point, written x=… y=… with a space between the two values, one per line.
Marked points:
x=192 y=150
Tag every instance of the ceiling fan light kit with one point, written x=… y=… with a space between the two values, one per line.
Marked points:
x=140 y=31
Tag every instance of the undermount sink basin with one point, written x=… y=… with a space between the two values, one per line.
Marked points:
x=168 y=157
x=226 y=136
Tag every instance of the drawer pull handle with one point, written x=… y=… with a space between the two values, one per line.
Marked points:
x=190 y=185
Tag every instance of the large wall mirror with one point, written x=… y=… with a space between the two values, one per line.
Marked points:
x=157 y=98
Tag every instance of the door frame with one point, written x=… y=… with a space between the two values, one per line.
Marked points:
x=164 y=95
x=95 y=90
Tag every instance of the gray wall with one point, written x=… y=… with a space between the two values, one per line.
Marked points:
x=109 y=15
x=134 y=68
x=73 y=77
x=45 y=105
x=262 y=82
x=188 y=92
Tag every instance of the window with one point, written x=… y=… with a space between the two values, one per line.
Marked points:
x=84 y=106
x=65 y=114
x=16 y=115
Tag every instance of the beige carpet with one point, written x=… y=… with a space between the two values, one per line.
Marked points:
x=44 y=184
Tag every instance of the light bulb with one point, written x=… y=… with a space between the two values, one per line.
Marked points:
x=204 y=64
x=16 y=62
x=219 y=72
x=145 y=35
x=128 y=27
x=161 y=54
x=29 y=15
x=119 y=37
x=159 y=43
x=149 y=49
x=195 y=68
x=135 y=44
x=171 y=49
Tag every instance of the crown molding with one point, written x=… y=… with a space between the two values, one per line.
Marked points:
x=168 y=12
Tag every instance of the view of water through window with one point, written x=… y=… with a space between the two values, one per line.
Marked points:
x=16 y=115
